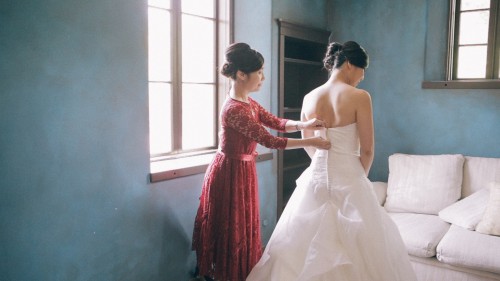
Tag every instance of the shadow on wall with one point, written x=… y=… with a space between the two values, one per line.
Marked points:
x=177 y=261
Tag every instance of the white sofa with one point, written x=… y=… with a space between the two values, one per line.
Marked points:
x=447 y=208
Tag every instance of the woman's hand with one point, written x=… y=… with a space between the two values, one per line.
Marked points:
x=320 y=143
x=313 y=124
x=311 y=143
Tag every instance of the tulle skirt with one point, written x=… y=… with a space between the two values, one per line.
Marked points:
x=333 y=229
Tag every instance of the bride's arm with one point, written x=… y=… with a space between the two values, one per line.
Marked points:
x=364 y=119
x=307 y=133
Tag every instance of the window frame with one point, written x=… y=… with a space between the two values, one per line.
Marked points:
x=493 y=52
x=187 y=162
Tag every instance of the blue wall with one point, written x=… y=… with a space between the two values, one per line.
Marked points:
x=75 y=201
x=406 y=41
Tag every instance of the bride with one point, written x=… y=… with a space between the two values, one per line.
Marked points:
x=332 y=228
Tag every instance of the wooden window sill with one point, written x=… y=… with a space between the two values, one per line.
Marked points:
x=462 y=84
x=180 y=167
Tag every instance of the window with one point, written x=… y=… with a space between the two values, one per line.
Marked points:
x=474 y=40
x=186 y=41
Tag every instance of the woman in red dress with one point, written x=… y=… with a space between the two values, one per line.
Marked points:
x=226 y=234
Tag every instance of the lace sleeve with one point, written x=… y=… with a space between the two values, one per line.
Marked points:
x=268 y=119
x=240 y=118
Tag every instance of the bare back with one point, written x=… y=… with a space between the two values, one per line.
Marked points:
x=339 y=104
x=335 y=103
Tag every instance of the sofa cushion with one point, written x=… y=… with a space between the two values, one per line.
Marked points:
x=423 y=184
x=421 y=233
x=468 y=211
x=462 y=247
x=479 y=172
x=380 y=189
x=490 y=223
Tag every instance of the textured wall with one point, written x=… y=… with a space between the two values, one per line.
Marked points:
x=405 y=41
x=75 y=202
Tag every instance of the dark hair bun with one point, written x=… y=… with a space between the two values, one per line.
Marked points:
x=350 y=51
x=240 y=56
x=332 y=53
x=227 y=69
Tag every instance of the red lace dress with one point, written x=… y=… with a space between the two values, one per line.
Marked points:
x=226 y=234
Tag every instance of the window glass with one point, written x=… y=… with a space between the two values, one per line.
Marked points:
x=203 y=8
x=198 y=115
x=160 y=120
x=474 y=27
x=474 y=45
x=474 y=4
x=184 y=37
x=159 y=45
x=471 y=62
x=198 y=57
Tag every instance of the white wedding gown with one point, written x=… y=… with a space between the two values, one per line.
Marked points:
x=333 y=228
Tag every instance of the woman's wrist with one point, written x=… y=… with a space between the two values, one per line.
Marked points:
x=297 y=127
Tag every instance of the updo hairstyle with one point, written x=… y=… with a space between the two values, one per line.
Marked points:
x=239 y=56
x=350 y=51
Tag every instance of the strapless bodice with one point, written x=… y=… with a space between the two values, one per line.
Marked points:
x=341 y=161
x=345 y=139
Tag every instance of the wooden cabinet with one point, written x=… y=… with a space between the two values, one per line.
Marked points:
x=301 y=52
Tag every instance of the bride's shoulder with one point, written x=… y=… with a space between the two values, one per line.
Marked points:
x=316 y=92
x=315 y=99
x=360 y=93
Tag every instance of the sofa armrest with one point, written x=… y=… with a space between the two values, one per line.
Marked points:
x=380 y=189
